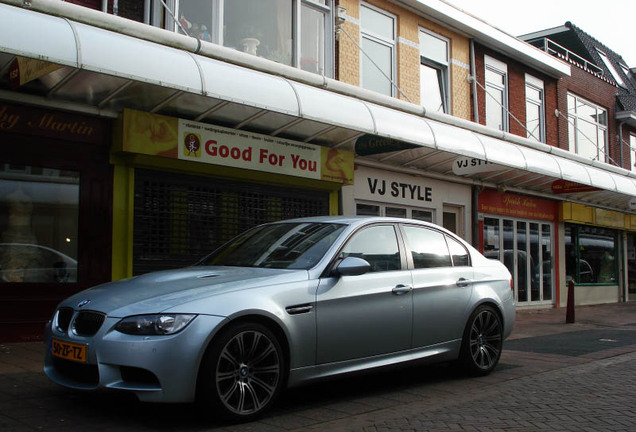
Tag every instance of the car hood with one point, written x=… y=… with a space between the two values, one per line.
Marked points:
x=158 y=291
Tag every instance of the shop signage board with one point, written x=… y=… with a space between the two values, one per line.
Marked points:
x=565 y=186
x=514 y=205
x=23 y=70
x=51 y=124
x=164 y=136
x=465 y=165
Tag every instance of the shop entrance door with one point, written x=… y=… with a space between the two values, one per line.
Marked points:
x=526 y=248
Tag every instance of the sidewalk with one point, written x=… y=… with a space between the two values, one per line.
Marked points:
x=541 y=322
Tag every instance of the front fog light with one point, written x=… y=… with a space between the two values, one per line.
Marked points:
x=161 y=324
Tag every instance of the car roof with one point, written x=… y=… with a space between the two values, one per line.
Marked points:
x=362 y=220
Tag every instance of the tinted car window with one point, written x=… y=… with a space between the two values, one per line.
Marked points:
x=428 y=247
x=285 y=245
x=378 y=246
x=458 y=252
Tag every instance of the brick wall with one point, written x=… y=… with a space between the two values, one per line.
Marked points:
x=517 y=95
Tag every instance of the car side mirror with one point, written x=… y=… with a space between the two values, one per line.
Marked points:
x=353 y=266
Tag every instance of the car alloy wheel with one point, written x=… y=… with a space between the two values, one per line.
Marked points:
x=245 y=371
x=481 y=347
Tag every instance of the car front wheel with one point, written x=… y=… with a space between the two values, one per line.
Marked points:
x=482 y=341
x=243 y=371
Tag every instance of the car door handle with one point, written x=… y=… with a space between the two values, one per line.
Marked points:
x=462 y=282
x=402 y=289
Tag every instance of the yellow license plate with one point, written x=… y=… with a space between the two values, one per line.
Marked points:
x=68 y=351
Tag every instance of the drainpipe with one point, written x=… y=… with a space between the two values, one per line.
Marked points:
x=105 y=6
x=473 y=74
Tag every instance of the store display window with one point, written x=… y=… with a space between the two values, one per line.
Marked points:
x=39 y=212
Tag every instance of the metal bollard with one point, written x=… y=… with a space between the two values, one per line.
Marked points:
x=569 y=315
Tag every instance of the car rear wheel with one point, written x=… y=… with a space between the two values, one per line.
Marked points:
x=243 y=371
x=482 y=341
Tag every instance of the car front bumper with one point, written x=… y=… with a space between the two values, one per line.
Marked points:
x=155 y=368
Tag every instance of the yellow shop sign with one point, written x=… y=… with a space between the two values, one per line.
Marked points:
x=153 y=134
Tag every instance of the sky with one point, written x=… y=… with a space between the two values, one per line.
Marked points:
x=607 y=21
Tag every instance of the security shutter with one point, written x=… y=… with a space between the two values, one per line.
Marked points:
x=179 y=219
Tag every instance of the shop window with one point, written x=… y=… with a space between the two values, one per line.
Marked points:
x=433 y=72
x=39 y=210
x=397 y=212
x=291 y=32
x=496 y=94
x=587 y=128
x=378 y=41
x=591 y=255
x=179 y=219
x=367 y=209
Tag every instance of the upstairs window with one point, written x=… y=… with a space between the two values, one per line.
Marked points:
x=496 y=94
x=434 y=72
x=292 y=32
x=610 y=66
x=535 y=109
x=378 y=41
x=587 y=128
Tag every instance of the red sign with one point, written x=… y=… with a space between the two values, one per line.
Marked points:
x=507 y=204
x=566 y=186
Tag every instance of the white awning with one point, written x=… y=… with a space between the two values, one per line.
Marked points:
x=105 y=72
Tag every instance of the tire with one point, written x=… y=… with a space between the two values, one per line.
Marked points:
x=243 y=372
x=482 y=342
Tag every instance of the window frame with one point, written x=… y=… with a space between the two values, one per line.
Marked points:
x=216 y=32
x=500 y=68
x=374 y=37
x=573 y=125
x=382 y=209
x=538 y=85
x=442 y=68
x=610 y=66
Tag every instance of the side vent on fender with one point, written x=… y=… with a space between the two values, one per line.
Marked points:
x=299 y=309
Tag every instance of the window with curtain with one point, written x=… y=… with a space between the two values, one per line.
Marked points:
x=496 y=94
x=535 y=109
x=433 y=72
x=292 y=32
x=378 y=42
x=587 y=128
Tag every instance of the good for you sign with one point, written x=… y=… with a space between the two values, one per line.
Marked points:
x=158 y=135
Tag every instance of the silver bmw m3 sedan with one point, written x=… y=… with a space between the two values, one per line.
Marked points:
x=283 y=304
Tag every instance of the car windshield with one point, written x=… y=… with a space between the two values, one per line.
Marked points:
x=284 y=246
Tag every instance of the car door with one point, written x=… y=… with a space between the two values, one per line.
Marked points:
x=369 y=314
x=442 y=285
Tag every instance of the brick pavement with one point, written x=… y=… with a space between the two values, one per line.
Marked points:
x=533 y=389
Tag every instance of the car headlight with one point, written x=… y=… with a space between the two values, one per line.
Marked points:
x=160 y=324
